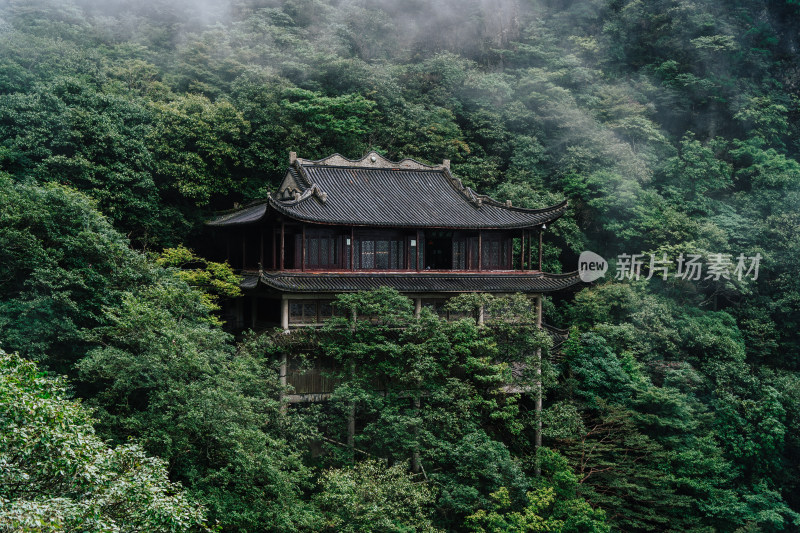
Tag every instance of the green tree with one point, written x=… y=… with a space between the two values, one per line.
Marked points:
x=196 y=146
x=62 y=266
x=552 y=506
x=213 y=280
x=369 y=496
x=58 y=475
x=439 y=403
x=165 y=372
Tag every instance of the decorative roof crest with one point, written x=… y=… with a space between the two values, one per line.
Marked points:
x=371 y=160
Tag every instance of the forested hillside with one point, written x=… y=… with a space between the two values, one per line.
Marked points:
x=671 y=126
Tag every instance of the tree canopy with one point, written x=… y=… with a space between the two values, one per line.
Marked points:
x=671 y=127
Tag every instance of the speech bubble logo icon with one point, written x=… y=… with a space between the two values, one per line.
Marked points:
x=591 y=266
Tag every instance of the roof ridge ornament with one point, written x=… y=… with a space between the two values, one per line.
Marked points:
x=297 y=197
x=372 y=160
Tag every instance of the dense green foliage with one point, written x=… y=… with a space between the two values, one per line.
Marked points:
x=58 y=475
x=671 y=126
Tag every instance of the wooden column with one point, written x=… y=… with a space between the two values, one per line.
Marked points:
x=538 y=432
x=351 y=426
x=283 y=371
x=351 y=416
x=522 y=253
x=419 y=252
x=244 y=249
x=481 y=316
x=415 y=456
x=274 y=251
x=352 y=248
x=541 y=230
x=530 y=265
x=480 y=250
x=468 y=252
x=417 y=307
x=253 y=311
x=303 y=249
x=285 y=314
x=261 y=251
x=283 y=245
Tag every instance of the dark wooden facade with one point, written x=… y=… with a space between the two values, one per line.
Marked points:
x=337 y=225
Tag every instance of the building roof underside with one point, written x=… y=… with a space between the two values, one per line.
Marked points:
x=383 y=193
x=418 y=282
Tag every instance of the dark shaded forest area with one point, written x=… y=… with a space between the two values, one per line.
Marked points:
x=671 y=126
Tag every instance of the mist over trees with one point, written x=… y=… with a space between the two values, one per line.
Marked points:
x=670 y=126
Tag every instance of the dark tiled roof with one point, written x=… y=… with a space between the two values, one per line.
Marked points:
x=246 y=215
x=416 y=282
x=376 y=192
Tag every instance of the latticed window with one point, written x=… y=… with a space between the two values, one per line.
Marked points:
x=321 y=250
x=309 y=311
x=495 y=253
x=380 y=253
x=459 y=254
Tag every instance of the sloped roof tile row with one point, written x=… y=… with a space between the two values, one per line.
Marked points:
x=404 y=198
x=417 y=282
x=380 y=193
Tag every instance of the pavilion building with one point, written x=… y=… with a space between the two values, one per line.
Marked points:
x=337 y=225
